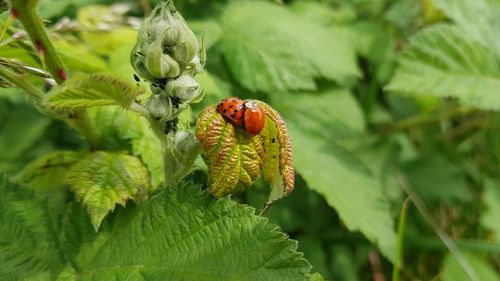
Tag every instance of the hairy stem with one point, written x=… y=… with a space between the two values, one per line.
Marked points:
x=31 y=90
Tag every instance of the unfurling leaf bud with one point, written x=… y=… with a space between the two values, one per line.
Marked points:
x=236 y=159
x=186 y=88
x=165 y=45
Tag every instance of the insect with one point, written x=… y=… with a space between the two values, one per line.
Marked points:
x=242 y=113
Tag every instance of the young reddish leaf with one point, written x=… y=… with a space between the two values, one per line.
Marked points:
x=229 y=152
x=236 y=159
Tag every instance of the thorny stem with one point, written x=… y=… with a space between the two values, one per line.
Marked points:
x=25 y=12
x=33 y=25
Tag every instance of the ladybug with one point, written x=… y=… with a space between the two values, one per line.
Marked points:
x=233 y=109
x=241 y=113
x=254 y=118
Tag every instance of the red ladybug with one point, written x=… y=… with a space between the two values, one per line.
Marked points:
x=243 y=113
x=233 y=109
x=254 y=118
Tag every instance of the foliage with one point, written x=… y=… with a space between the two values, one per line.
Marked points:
x=88 y=90
x=181 y=234
x=382 y=100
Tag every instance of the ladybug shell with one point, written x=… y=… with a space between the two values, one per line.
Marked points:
x=254 y=118
x=233 y=109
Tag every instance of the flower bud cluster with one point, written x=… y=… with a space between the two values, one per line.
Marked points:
x=168 y=56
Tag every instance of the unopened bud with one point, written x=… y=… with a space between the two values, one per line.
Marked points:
x=159 y=106
x=165 y=45
x=186 y=88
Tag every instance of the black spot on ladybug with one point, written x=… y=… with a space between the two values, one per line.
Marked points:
x=136 y=78
x=273 y=140
x=235 y=111
x=231 y=106
x=233 y=115
x=225 y=110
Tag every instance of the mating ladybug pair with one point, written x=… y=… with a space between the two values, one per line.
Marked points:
x=242 y=113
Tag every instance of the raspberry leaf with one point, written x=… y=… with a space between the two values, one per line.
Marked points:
x=88 y=90
x=103 y=179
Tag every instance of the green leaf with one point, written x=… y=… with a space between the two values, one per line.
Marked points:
x=338 y=175
x=28 y=234
x=77 y=57
x=442 y=61
x=187 y=235
x=47 y=172
x=103 y=179
x=464 y=15
x=491 y=216
x=329 y=113
x=208 y=29
x=285 y=53
x=123 y=129
x=453 y=271
x=182 y=234
x=88 y=90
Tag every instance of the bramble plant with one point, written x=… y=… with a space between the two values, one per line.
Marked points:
x=167 y=56
x=156 y=148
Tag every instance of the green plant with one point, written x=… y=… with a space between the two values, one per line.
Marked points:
x=117 y=164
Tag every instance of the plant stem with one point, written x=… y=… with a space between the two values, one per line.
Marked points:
x=81 y=121
x=447 y=241
x=464 y=244
x=24 y=69
x=399 y=246
x=31 y=90
x=25 y=12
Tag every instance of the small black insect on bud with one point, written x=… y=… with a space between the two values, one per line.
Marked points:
x=171 y=125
